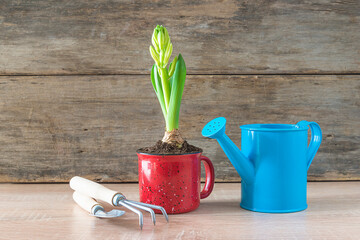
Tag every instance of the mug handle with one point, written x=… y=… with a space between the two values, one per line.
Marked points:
x=210 y=177
x=316 y=137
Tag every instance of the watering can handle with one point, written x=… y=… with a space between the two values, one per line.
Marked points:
x=316 y=137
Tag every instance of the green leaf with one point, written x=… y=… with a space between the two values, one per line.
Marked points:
x=171 y=81
x=153 y=79
x=177 y=88
x=163 y=73
x=156 y=81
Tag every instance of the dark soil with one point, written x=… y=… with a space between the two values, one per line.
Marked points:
x=164 y=148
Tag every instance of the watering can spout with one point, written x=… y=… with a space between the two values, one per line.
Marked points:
x=216 y=129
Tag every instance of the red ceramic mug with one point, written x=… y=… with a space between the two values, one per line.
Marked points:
x=173 y=181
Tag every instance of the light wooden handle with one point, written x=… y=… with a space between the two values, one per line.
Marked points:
x=85 y=202
x=92 y=189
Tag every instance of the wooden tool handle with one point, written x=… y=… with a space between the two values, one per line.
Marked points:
x=85 y=202
x=92 y=189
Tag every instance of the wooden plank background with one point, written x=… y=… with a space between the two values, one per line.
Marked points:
x=53 y=128
x=76 y=97
x=222 y=37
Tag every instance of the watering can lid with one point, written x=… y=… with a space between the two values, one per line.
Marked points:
x=273 y=127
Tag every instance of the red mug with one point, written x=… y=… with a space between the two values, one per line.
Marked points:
x=174 y=181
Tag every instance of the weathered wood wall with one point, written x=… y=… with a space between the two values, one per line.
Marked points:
x=223 y=37
x=249 y=61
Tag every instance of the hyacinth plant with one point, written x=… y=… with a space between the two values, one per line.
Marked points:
x=168 y=83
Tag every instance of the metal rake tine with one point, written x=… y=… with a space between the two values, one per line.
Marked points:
x=141 y=221
x=152 y=206
x=135 y=204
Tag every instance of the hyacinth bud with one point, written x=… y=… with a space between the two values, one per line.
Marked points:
x=154 y=55
x=172 y=66
x=155 y=43
x=167 y=37
x=168 y=53
x=162 y=47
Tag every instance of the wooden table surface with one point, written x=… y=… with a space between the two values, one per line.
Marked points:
x=47 y=211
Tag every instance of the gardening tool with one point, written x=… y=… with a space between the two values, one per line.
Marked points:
x=93 y=207
x=273 y=162
x=99 y=192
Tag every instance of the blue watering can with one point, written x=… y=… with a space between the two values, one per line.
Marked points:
x=272 y=163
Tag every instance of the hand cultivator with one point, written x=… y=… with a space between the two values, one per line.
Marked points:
x=86 y=191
